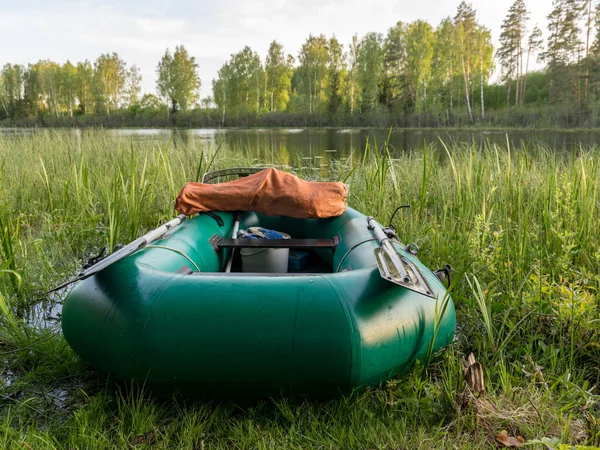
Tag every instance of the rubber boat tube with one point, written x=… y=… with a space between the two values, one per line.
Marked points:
x=214 y=334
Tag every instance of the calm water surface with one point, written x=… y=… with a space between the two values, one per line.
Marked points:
x=339 y=142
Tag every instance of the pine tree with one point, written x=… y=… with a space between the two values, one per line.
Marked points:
x=534 y=43
x=564 y=47
x=394 y=64
x=587 y=14
x=510 y=53
x=564 y=41
x=595 y=47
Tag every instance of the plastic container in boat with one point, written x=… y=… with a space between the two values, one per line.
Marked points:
x=298 y=260
x=265 y=260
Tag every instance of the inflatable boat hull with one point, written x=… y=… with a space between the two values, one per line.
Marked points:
x=244 y=335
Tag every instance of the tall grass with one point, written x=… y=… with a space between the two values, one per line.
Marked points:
x=520 y=225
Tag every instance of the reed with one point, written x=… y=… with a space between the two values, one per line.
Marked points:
x=519 y=225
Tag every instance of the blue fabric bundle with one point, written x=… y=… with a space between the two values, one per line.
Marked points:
x=261 y=233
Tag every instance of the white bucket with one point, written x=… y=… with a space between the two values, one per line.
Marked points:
x=265 y=260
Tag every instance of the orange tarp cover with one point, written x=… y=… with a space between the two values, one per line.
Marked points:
x=271 y=192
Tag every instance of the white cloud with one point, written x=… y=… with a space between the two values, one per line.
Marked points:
x=159 y=26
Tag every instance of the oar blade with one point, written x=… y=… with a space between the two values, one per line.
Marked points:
x=389 y=270
x=125 y=251
x=113 y=258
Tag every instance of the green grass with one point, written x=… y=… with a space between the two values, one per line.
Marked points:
x=520 y=227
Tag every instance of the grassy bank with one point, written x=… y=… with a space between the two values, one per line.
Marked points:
x=520 y=226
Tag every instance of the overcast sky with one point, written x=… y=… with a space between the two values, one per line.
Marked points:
x=140 y=30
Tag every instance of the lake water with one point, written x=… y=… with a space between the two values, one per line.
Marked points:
x=310 y=142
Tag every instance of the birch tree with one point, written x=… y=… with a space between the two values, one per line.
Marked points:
x=133 y=86
x=352 y=71
x=84 y=80
x=11 y=84
x=370 y=65
x=313 y=59
x=178 y=82
x=466 y=31
x=336 y=76
x=485 y=50
x=68 y=89
x=278 y=76
x=445 y=61
x=419 y=54
x=110 y=73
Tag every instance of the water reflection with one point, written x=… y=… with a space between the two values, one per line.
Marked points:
x=333 y=144
x=312 y=142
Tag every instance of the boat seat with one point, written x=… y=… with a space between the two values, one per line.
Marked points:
x=220 y=242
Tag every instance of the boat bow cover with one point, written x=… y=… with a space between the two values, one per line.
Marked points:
x=271 y=192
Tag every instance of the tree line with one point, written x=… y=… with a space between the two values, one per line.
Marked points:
x=415 y=71
x=104 y=87
x=413 y=68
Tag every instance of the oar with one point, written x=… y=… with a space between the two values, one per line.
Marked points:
x=393 y=266
x=139 y=243
x=236 y=227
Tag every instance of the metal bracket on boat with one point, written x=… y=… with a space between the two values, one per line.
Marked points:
x=443 y=274
x=413 y=249
x=214 y=242
x=390 y=232
x=394 y=267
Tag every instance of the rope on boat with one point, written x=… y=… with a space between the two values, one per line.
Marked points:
x=349 y=250
x=164 y=247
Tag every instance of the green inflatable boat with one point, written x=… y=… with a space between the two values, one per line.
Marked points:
x=170 y=317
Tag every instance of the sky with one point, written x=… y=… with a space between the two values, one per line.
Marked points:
x=141 y=30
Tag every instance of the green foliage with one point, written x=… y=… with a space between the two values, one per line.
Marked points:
x=109 y=81
x=413 y=75
x=311 y=79
x=178 y=82
x=85 y=77
x=518 y=225
x=240 y=87
x=369 y=60
x=278 y=73
x=419 y=44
